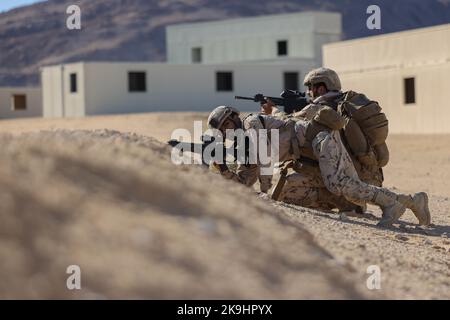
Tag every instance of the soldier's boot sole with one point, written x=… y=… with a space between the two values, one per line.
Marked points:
x=391 y=214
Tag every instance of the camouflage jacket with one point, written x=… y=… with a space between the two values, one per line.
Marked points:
x=249 y=174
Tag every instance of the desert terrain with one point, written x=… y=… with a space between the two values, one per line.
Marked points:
x=102 y=193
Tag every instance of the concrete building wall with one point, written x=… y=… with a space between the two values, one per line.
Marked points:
x=58 y=100
x=51 y=81
x=169 y=87
x=378 y=67
x=254 y=39
x=33 y=98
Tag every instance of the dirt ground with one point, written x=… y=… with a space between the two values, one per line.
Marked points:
x=139 y=227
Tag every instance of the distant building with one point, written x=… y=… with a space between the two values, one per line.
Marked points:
x=209 y=63
x=20 y=102
x=265 y=38
x=407 y=72
x=82 y=89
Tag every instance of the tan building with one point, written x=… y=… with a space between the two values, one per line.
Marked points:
x=279 y=37
x=208 y=64
x=20 y=102
x=407 y=72
x=93 y=88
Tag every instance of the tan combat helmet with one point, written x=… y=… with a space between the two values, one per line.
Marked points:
x=219 y=115
x=323 y=75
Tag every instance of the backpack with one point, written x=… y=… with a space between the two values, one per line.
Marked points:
x=365 y=132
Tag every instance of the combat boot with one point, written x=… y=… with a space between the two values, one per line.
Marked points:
x=392 y=209
x=418 y=204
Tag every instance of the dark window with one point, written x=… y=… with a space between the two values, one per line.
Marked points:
x=73 y=83
x=291 y=80
x=283 y=48
x=410 y=90
x=19 y=102
x=137 y=82
x=224 y=81
x=196 y=55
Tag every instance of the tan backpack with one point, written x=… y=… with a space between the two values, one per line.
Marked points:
x=366 y=130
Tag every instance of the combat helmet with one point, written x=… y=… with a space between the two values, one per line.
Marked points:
x=218 y=116
x=323 y=75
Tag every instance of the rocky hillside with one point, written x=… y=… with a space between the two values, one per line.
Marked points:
x=134 y=30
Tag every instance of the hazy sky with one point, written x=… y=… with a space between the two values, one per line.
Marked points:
x=9 y=4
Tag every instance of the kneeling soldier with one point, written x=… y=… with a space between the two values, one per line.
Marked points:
x=337 y=170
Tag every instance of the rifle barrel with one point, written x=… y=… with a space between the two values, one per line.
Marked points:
x=244 y=98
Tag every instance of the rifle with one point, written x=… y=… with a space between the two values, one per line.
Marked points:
x=292 y=101
x=207 y=141
x=276 y=193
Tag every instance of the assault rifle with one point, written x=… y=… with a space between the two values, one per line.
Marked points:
x=209 y=141
x=292 y=101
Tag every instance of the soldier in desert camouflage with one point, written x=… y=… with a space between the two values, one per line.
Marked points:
x=326 y=174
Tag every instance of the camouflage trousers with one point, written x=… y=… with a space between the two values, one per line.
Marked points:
x=307 y=189
x=335 y=180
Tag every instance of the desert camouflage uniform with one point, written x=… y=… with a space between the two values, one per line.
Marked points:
x=338 y=176
x=313 y=139
x=306 y=188
x=249 y=174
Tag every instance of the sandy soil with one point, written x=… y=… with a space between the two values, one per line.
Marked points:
x=138 y=226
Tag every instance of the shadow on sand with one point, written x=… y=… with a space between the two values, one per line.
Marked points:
x=358 y=219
